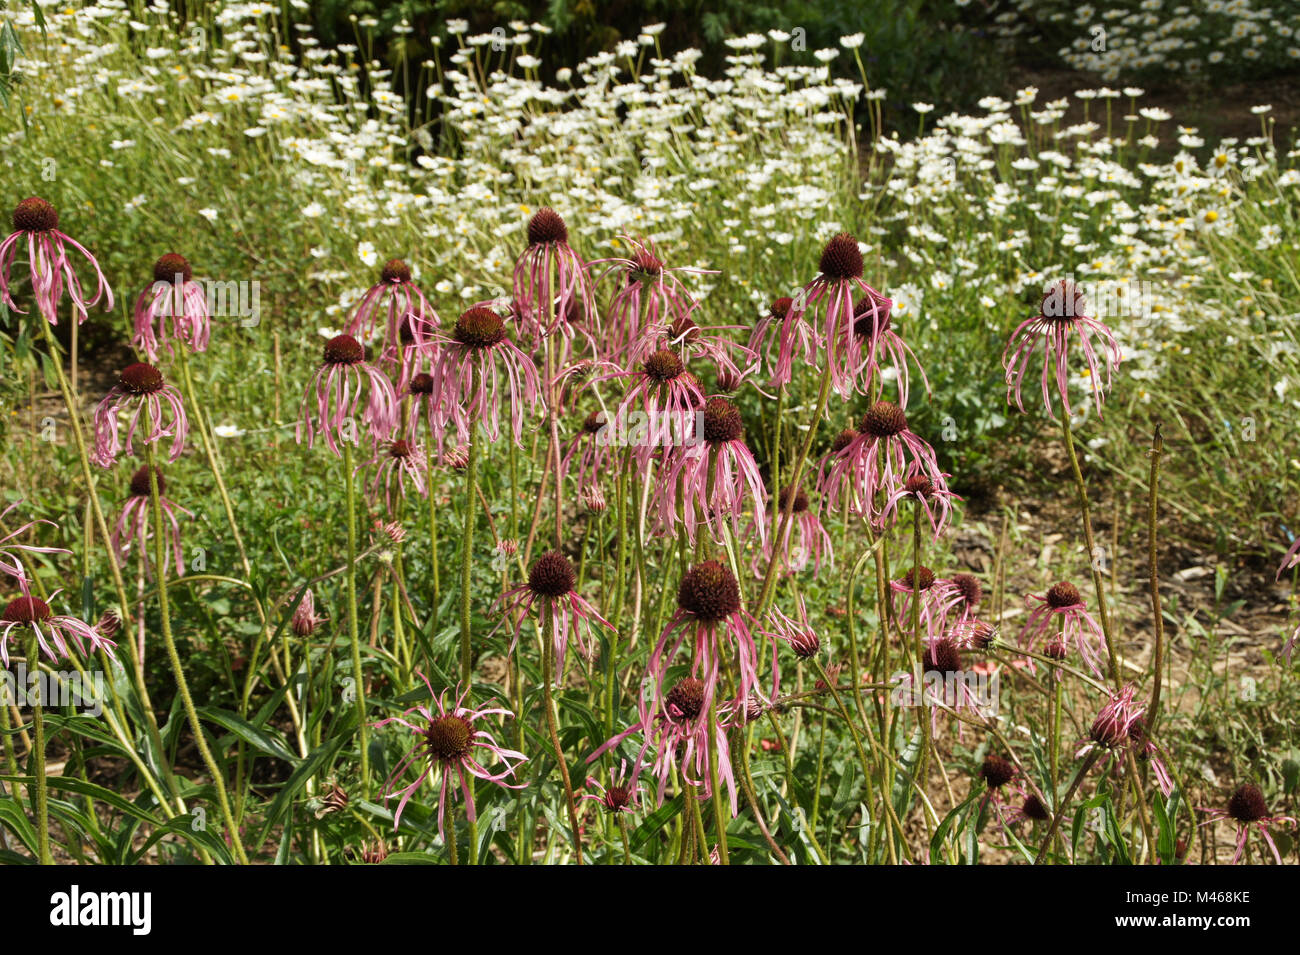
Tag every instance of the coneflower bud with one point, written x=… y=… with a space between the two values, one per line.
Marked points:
x=709 y=591
x=399 y=449
x=552 y=575
x=448 y=738
x=395 y=271
x=1063 y=595
x=800 y=499
x=34 y=214
x=406 y=331
x=171 y=265
x=729 y=381
x=140 y=482
x=841 y=258
x=1056 y=649
x=344 y=350
x=664 y=365
x=833 y=674
x=141 y=379
x=884 y=419
x=373 y=853
x=617 y=798
x=684 y=330
x=722 y=421
x=546 y=226
x=686 y=699
x=336 y=800
x=422 y=384
x=479 y=328
x=646 y=264
x=1110 y=729
x=864 y=323
x=593 y=499
x=1247 y=804
x=593 y=422
x=458 y=457
x=108 y=625
x=996 y=771
x=978 y=635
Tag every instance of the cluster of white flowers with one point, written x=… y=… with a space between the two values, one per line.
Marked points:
x=1121 y=37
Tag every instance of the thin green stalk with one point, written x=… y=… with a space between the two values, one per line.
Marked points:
x=354 y=635
x=38 y=757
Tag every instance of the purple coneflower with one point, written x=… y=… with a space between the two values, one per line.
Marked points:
x=620 y=795
x=830 y=297
x=174 y=294
x=873 y=338
x=1061 y=314
x=132 y=528
x=397 y=463
x=447 y=742
x=11 y=562
x=649 y=293
x=812 y=540
x=408 y=318
x=551 y=286
x=710 y=612
x=877 y=460
x=717 y=478
x=550 y=590
x=468 y=370
x=329 y=406
x=1063 y=613
x=661 y=384
x=934 y=499
x=426 y=407
x=53 y=631
x=785 y=330
x=1247 y=808
x=47 y=256
x=140 y=389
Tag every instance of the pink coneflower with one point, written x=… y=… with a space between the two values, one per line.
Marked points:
x=1110 y=730
x=935 y=594
x=396 y=464
x=140 y=389
x=448 y=739
x=1145 y=749
x=1247 y=808
x=173 y=295
x=132 y=528
x=50 y=270
x=620 y=795
x=426 y=407
x=551 y=286
x=11 y=562
x=468 y=370
x=305 y=619
x=830 y=298
x=53 y=631
x=709 y=611
x=802 y=538
x=550 y=591
x=648 y=294
x=592 y=448
x=406 y=314
x=970 y=633
x=878 y=460
x=329 y=406
x=1001 y=777
x=1063 y=615
x=689 y=340
x=1031 y=809
x=797 y=634
x=1060 y=316
x=712 y=481
x=783 y=329
x=874 y=339
x=944 y=683
x=677 y=729
x=660 y=385
x=935 y=500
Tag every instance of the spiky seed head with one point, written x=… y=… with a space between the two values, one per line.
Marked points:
x=968 y=586
x=800 y=499
x=1062 y=595
x=547 y=226
x=552 y=575
x=422 y=384
x=395 y=271
x=140 y=482
x=34 y=214
x=171 y=265
x=1247 y=804
x=686 y=699
x=781 y=308
x=479 y=327
x=27 y=610
x=996 y=771
x=844 y=439
x=722 y=421
x=923 y=574
x=1034 y=809
x=141 y=379
x=664 y=365
x=1063 y=301
x=841 y=258
x=884 y=419
x=943 y=657
x=920 y=485
x=709 y=591
x=344 y=350
x=448 y=738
